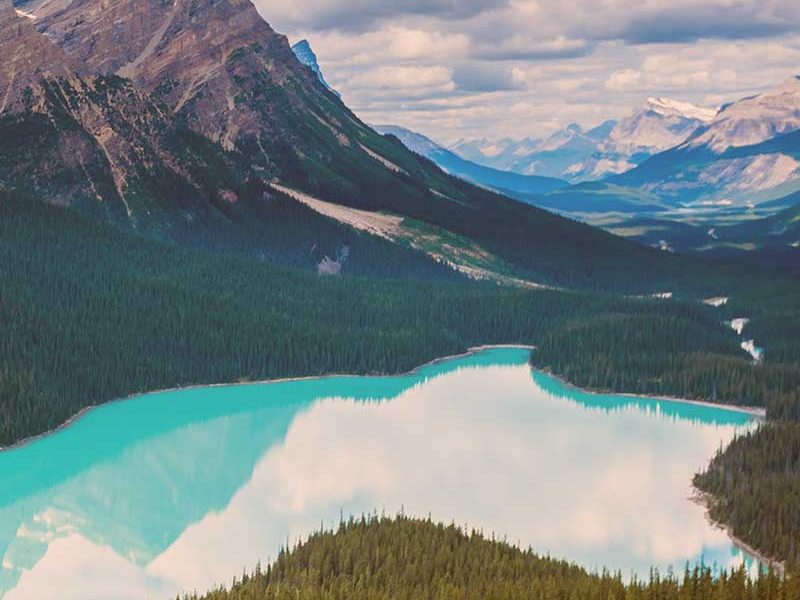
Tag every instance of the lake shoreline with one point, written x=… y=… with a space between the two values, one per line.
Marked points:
x=705 y=500
x=754 y=411
x=84 y=411
x=519 y=359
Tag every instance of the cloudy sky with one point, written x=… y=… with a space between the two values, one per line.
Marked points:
x=496 y=68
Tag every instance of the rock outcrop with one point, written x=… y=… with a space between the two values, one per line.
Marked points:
x=27 y=57
x=216 y=63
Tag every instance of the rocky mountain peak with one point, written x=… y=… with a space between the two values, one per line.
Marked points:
x=754 y=119
x=305 y=54
x=213 y=62
x=659 y=124
x=674 y=108
x=27 y=57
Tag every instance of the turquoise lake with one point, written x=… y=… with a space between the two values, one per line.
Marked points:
x=181 y=490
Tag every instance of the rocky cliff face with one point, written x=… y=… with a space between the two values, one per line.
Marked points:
x=27 y=57
x=753 y=120
x=93 y=141
x=215 y=63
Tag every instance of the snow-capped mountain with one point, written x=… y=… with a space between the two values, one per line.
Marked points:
x=549 y=157
x=753 y=120
x=657 y=125
x=305 y=54
x=749 y=152
x=675 y=108
x=608 y=149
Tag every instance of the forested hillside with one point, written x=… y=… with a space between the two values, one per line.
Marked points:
x=90 y=314
x=408 y=559
x=755 y=488
x=665 y=355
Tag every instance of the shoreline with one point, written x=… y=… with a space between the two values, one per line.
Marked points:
x=705 y=500
x=84 y=411
x=699 y=497
x=754 y=411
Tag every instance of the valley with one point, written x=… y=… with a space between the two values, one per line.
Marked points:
x=219 y=281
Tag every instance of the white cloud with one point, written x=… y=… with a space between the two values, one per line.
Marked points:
x=623 y=79
x=403 y=79
x=456 y=68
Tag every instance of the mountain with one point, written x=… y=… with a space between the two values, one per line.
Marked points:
x=659 y=124
x=194 y=123
x=518 y=186
x=611 y=148
x=96 y=141
x=753 y=120
x=499 y=154
x=27 y=57
x=305 y=54
x=744 y=155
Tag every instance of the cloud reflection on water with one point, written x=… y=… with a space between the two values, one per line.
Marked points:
x=491 y=447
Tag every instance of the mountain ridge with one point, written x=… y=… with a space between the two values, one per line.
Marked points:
x=608 y=149
x=735 y=156
x=233 y=110
x=306 y=55
x=502 y=181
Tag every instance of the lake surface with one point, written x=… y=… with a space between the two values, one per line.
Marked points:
x=181 y=490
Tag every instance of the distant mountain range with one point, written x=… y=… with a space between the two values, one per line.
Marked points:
x=515 y=184
x=610 y=148
x=747 y=154
x=664 y=153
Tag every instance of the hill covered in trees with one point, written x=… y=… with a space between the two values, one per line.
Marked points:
x=90 y=314
x=409 y=559
x=665 y=355
x=754 y=486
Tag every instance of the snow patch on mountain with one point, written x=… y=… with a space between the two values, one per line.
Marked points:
x=675 y=108
x=608 y=149
x=717 y=301
x=753 y=120
x=659 y=124
x=739 y=324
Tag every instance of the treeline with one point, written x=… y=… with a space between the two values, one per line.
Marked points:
x=754 y=487
x=409 y=559
x=89 y=314
x=680 y=355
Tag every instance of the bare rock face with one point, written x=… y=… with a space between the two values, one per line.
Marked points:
x=27 y=56
x=132 y=103
x=216 y=63
x=96 y=142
